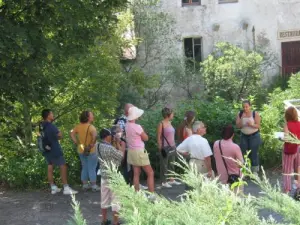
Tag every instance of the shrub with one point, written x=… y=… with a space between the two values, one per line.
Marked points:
x=214 y=114
x=209 y=202
x=273 y=120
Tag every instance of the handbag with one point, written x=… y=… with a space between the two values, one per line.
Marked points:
x=87 y=148
x=166 y=150
x=232 y=178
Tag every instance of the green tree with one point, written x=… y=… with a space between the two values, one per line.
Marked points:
x=148 y=40
x=231 y=72
x=39 y=36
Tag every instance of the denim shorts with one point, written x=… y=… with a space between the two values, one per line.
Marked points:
x=56 y=161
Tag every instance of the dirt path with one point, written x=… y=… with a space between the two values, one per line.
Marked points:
x=42 y=208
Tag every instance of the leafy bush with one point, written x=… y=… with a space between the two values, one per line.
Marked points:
x=273 y=120
x=209 y=202
x=232 y=72
x=214 y=114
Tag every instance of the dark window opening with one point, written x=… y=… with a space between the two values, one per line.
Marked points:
x=193 y=52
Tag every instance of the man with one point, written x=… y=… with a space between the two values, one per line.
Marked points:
x=198 y=148
x=54 y=155
x=108 y=155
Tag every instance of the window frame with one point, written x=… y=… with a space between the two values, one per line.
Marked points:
x=191 y=3
x=227 y=1
x=193 y=46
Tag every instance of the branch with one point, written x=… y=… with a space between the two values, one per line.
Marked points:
x=243 y=85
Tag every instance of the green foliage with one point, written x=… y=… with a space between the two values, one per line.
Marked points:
x=215 y=114
x=208 y=202
x=148 y=41
x=183 y=75
x=77 y=218
x=273 y=120
x=231 y=72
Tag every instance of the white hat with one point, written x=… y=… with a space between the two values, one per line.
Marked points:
x=134 y=113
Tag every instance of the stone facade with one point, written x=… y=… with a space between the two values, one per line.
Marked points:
x=246 y=23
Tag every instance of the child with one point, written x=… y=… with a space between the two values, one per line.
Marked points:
x=109 y=154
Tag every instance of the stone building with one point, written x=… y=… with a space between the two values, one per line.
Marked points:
x=273 y=26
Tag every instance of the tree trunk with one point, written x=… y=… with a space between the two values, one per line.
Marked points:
x=27 y=122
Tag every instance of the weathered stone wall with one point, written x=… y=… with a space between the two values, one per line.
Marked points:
x=235 y=22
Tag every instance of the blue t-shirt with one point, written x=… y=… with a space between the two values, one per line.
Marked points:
x=51 y=133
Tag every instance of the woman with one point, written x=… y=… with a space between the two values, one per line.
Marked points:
x=84 y=136
x=225 y=165
x=290 y=154
x=249 y=123
x=166 y=139
x=137 y=155
x=185 y=128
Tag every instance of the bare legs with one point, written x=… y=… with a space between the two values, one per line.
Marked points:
x=63 y=174
x=150 y=177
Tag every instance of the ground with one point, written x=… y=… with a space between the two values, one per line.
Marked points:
x=42 y=208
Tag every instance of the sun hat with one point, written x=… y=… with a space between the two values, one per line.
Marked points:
x=134 y=113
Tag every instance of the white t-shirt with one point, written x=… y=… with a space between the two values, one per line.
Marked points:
x=197 y=146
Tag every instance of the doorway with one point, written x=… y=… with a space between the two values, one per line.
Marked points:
x=290 y=57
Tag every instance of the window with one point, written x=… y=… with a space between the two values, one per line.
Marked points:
x=191 y=2
x=227 y=1
x=193 y=51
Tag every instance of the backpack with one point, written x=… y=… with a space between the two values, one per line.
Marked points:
x=42 y=140
x=242 y=111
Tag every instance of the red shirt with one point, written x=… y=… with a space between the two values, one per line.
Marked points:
x=294 y=128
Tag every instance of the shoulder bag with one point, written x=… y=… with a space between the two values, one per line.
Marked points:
x=87 y=148
x=166 y=150
x=232 y=178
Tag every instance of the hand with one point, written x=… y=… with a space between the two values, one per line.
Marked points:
x=250 y=124
x=209 y=174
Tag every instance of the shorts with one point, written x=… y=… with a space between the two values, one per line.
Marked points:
x=138 y=157
x=108 y=198
x=56 y=161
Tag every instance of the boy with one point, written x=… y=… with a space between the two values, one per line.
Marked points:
x=107 y=153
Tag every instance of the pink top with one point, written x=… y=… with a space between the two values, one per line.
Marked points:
x=133 y=136
x=169 y=133
x=229 y=149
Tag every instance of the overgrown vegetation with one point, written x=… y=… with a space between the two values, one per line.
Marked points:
x=209 y=202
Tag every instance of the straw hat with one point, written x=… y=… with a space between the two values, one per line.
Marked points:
x=134 y=113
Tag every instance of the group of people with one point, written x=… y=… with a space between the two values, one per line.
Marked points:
x=123 y=145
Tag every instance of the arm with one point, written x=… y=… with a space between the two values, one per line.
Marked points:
x=207 y=156
x=183 y=148
x=239 y=157
x=73 y=136
x=159 y=137
x=94 y=136
x=144 y=136
x=59 y=135
x=238 y=121
x=256 y=121
x=207 y=161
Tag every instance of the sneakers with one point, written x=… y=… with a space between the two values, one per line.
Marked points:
x=95 y=188
x=174 y=182
x=55 y=189
x=86 y=187
x=166 y=185
x=69 y=191
x=143 y=187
